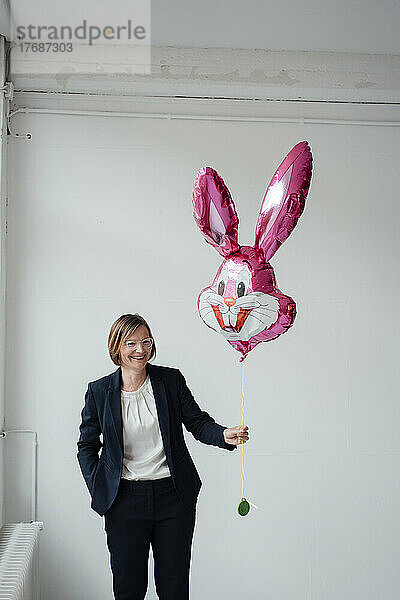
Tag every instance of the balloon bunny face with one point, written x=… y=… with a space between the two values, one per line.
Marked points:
x=243 y=302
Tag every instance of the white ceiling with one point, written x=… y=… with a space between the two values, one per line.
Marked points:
x=365 y=26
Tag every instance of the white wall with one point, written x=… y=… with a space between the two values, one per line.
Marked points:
x=6 y=20
x=3 y=202
x=100 y=223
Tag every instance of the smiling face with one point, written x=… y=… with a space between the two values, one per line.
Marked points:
x=136 y=349
x=232 y=307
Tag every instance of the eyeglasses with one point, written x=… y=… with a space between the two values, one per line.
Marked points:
x=146 y=343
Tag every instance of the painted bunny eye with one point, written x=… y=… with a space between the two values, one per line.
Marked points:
x=243 y=282
x=221 y=288
x=240 y=289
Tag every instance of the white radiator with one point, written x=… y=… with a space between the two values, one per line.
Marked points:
x=19 y=564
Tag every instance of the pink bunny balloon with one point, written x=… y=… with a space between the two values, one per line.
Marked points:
x=243 y=302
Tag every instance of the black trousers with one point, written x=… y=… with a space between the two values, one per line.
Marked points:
x=144 y=513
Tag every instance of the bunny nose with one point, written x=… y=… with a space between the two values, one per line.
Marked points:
x=229 y=301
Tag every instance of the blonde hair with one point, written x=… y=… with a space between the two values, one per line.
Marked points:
x=121 y=329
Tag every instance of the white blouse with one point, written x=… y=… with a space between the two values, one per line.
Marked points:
x=144 y=455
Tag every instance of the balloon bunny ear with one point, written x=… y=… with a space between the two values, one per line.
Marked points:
x=214 y=212
x=284 y=200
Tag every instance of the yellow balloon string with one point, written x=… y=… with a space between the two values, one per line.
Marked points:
x=255 y=506
x=242 y=426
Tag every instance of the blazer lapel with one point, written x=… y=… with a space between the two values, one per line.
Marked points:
x=160 y=397
x=114 y=401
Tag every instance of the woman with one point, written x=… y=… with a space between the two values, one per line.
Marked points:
x=145 y=483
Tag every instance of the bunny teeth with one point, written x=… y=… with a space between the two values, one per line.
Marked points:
x=231 y=322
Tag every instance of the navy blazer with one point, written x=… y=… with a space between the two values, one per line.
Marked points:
x=102 y=414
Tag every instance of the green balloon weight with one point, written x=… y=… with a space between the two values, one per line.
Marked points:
x=243 y=507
